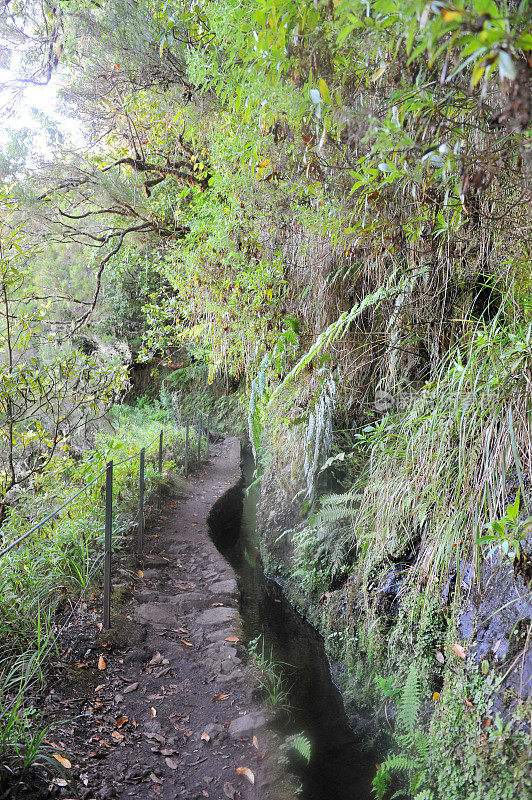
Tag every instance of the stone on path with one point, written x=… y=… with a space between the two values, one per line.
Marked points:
x=225 y=587
x=217 y=616
x=246 y=725
x=162 y=614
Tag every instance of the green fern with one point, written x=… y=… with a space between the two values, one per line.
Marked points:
x=302 y=745
x=413 y=762
x=399 y=763
x=409 y=704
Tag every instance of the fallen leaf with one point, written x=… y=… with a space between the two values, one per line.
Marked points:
x=141 y=574
x=486 y=722
x=100 y=687
x=229 y=791
x=468 y=703
x=121 y=721
x=60 y=782
x=205 y=737
x=101 y=663
x=117 y=736
x=232 y=639
x=63 y=761
x=459 y=650
x=247 y=773
x=99 y=625
x=496 y=645
x=171 y=763
x=155 y=779
x=435 y=696
x=439 y=657
x=187 y=643
x=220 y=697
x=131 y=688
x=153 y=712
x=255 y=743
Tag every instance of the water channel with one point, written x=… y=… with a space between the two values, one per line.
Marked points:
x=340 y=768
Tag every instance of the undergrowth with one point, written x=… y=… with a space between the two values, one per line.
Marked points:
x=43 y=579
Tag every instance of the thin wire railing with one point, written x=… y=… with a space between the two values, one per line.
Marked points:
x=202 y=424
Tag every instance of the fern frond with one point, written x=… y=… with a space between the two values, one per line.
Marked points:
x=302 y=745
x=426 y=794
x=409 y=703
x=399 y=763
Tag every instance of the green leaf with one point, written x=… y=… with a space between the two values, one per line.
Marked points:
x=324 y=91
x=478 y=72
x=525 y=41
x=513 y=510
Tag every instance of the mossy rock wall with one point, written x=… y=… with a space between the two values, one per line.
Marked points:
x=472 y=714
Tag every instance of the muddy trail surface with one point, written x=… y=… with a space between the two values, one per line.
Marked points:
x=163 y=707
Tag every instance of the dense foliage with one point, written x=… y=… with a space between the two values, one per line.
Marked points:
x=326 y=204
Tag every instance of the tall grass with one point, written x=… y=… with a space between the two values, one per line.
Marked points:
x=448 y=465
x=441 y=470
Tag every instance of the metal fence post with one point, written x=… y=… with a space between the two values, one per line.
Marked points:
x=108 y=545
x=207 y=434
x=199 y=438
x=140 y=528
x=160 y=468
x=187 y=425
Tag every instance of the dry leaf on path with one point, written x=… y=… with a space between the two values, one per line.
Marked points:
x=171 y=763
x=121 y=721
x=220 y=697
x=459 y=650
x=101 y=663
x=153 y=712
x=247 y=773
x=187 y=643
x=255 y=743
x=63 y=761
x=205 y=737
x=232 y=639
x=439 y=657
x=117 y=736
x=131 y=688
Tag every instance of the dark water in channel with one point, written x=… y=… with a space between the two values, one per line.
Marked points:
x=340 y=768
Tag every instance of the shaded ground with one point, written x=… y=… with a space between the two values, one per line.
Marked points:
x=150 y=704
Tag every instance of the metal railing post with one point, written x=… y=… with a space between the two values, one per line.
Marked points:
x=108 y=545
x=187 y=426
x=160 y=469
x=199 y=438
x=207 y=434
x=140 y=528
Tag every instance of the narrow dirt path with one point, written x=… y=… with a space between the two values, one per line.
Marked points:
x=171 y=714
